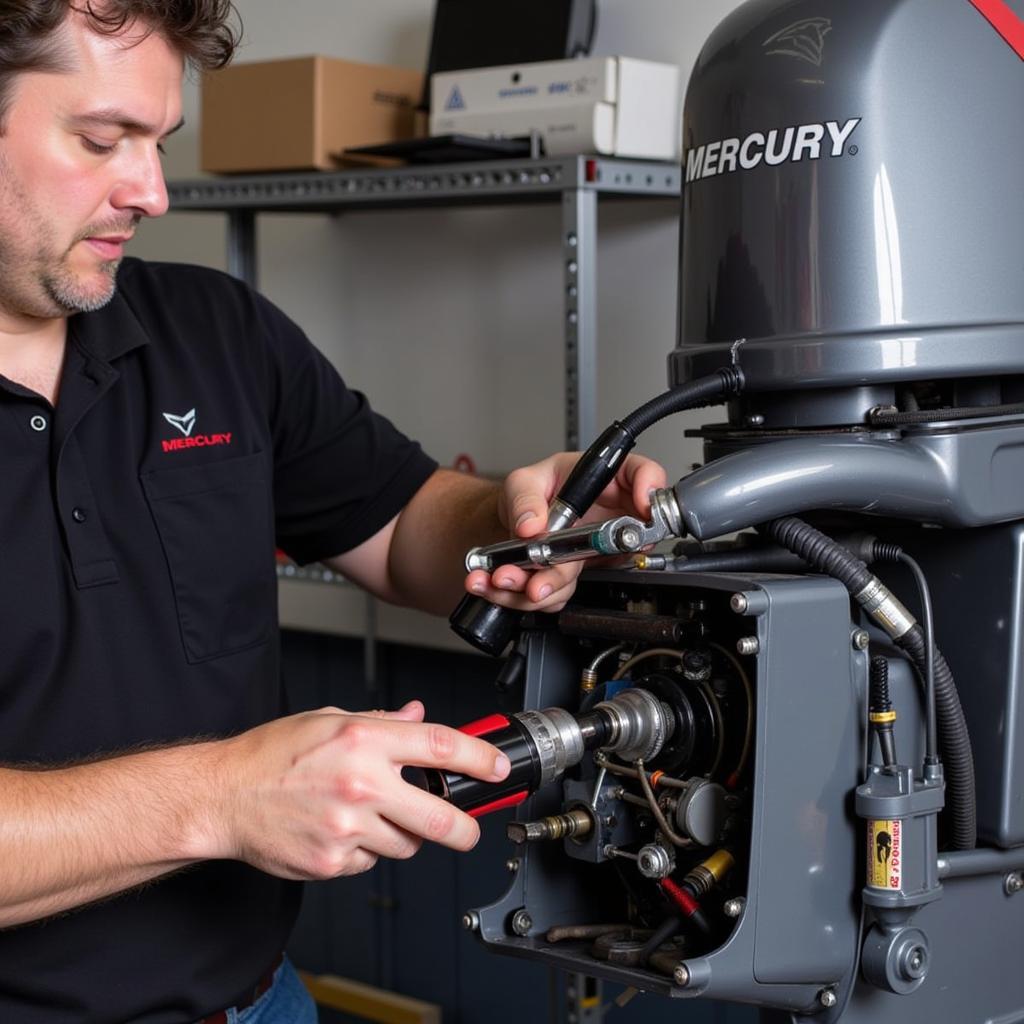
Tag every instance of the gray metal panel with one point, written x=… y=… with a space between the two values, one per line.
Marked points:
x=865 y=266
x=804 y=843
x=800 y=929
x=975 y=975
x=977 y=582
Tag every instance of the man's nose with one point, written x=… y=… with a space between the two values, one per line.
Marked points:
x=142 y=187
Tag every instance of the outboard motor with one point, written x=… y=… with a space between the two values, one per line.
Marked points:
x=781 y=762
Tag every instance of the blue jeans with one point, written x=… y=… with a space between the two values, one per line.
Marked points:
x=287 y=1001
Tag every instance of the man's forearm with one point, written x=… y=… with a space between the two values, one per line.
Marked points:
x=452 y=513
x=71 y=836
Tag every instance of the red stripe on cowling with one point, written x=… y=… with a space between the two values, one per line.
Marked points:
x=1005 y=21
x=499 y=805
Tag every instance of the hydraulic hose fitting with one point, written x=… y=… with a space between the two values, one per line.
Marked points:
x=883 y=606
x=706 y=875
x=574 y=824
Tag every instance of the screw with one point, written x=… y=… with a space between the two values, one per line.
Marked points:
x=512 y=865
x=916 y=960
x=747 y=645
x=827 y=998
x=571 y=240
x=471 y=921
x=734 y=907
x=755 y=419
x=521 y=922
x=681 y=975
x=1013 y=883
x=861 y=638
x=738 y=603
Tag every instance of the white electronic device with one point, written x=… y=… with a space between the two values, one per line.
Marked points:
x=614 y=106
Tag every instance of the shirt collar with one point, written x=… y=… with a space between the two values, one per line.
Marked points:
x=109 y=332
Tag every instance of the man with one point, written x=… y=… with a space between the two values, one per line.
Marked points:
x=161 y=428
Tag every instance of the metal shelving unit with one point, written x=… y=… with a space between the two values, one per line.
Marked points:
x=575 y=182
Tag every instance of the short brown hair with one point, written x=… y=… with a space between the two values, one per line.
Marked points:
x=204 y=32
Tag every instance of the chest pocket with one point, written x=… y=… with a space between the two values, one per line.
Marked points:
x=216 y=526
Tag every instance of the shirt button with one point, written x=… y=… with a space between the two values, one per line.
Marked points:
x=37 y=423
x=79 y=515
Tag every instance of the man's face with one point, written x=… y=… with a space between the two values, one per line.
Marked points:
x=79 y=166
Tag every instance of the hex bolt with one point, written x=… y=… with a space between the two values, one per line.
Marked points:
x=521 y=923
x=738 y=603
x=1013 y=883
x=512 y=865
x=629 y=538
x=861 y=638
x=471 y=921
x=734 y=907
x=747 y=645
x=681 y=975
x=827 y=998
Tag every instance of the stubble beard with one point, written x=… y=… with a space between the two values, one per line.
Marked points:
x=70 y=295
x=34 y=281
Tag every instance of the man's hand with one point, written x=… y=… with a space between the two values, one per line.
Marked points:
x=523 y=510
x=320 y=794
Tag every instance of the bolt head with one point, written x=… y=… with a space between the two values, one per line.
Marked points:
x=512 y=865
x=1013 y=883
x=521 y=922
x=913 y=963
x=755 y=419
x=827 y=998
x=861 y=638
x=629 y=538
x=681 y=975
x=734 y=907
x=747 y=645
x=738 y=603
x=471 y=921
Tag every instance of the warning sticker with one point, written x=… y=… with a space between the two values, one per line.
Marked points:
x=885 y=854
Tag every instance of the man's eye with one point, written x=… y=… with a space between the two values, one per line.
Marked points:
x=97 y=147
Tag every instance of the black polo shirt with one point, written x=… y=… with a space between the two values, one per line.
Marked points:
x=196 y=428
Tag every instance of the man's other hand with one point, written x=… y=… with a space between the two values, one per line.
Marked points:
x=321 y=794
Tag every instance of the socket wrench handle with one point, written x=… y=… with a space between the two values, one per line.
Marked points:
x=491 y=627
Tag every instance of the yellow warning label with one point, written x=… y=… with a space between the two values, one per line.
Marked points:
x=885 y=854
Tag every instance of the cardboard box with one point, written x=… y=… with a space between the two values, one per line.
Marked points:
x=297 y=114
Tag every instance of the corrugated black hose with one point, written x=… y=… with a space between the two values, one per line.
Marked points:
x=831 y=558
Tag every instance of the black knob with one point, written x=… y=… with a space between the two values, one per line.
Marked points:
x=488 y=627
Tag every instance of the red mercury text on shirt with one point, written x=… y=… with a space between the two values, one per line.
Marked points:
x=179 y=444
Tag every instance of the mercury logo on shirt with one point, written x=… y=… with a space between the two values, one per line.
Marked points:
x=185 y=424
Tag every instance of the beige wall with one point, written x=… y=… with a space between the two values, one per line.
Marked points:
x=451 y=319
